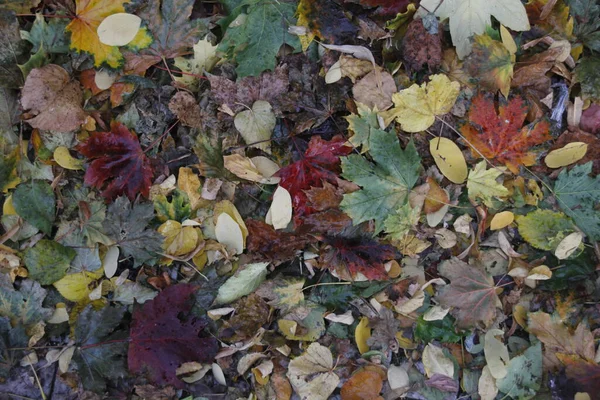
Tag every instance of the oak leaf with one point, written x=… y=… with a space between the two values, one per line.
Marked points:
x=471 y=292
x=53 y=99
x=117 y=163
x=164 y=335
x=500 y=135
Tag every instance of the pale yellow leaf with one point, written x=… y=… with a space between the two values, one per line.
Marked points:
x=256 y=125
x=435 y=362
x=449 y=159
x=502 y=220
x=567 y=155
x=229 y=233
x=63 y=157
x=496 y=354
x=118 y=29
x=507 y=40
x=111 y=261
x=281 y=208
x=568 y=245
x=361 y=334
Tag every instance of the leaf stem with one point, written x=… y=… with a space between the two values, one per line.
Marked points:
x=325 y=284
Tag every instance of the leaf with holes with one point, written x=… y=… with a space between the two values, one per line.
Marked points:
x=117 y=163
x=165 y=334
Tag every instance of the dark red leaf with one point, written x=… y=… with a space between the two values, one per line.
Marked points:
x=351 y=255
x=320 y=163
x=165 y=335
x=388 y=7
x=117 y=162
x=276 y=246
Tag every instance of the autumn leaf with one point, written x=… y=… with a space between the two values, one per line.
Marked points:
x=387 y=7
x=118 y=163
x=311 y=374
x=544 y=229
x=500 y=135
x=483 y=184
x=173 y=32
x=471 y=293
x=585 y=373
x=326 y=20
x=319 y=163
x=471 y=17
x=89 y=14
x=52 y=99
x=415 y=108
x=351 y=255
x=385 y=186
x=276 y=246
x=164 y=335
x=491 y=63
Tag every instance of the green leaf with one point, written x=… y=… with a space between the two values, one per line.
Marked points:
x=11 y=337
x=361 y=126
x=48 y=261
x=311 y=323
x=36 y=60
x=50 y=35
x=524 y=374
x=385 y=186
x=258 y=34
x=400 y=223
x=126 y=224
x=178 y=209
x=442 y=330
x=578 y=194
x=12 y=51
x=587 y=73
x=96 y=364
x=34 y=202
x=8 y=171
x=23 y=307
x=482 y=184
x=245 y=281
x=544 y=229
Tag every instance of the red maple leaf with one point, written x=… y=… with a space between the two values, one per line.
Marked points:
x=388 y=7
x=320 y=163
x=165 y=335
x=118 y=161
x=349 y=255
x=500 y=135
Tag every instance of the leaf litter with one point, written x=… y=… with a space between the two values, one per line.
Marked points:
x=299 y=199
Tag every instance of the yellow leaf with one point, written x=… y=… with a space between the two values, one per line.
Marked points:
x=63 y=157
x=491 y=63
x=77 y=287
x=229 y=233
x=415 y=108
x=435 y=362
x=118 y=29
x=7 y=207
x=568 y=245
x=361 y=334
x=540 y=273
x=567 y=155
x=507 y=40
x=84 y=31
x=179 y=240
x=189 y=182
x=482 y=184
x=205 y=57
x=449 y=159
x=225 y=206
x=502 y=220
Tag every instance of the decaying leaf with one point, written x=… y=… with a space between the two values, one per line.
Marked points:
x=311 y=374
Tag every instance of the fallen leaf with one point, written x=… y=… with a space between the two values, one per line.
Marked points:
x=63 y=157
x=311 y=374
x=229 y=233
x=362 y=333
x=544 y=229
x=491 y=63
x=502 y=220
x=118 y=29
x=205 y=58
x=568 y=245
x=117 y=163
x=499 y=134
x=53 y=99
x=167 y=320
x=471 y=293
x=375 y=90
x=416 y=108
x=244 y=282
x=435 y=362
x=482 y=184
x=449 y=159
x=280 y=212
x=496 y=354
x=256 y=124
x=567 y=155
x=363 y=385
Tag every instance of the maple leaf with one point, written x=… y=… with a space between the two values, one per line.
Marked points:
x=471 y=17
x=491 y=63
x=174 y=34
x=84 y=37
x=586 y=374
x=256 y=37
x=351 y=254
x=471 y=292
x=501 y=135
x=579 y=194
x=277 y=246
x=117 y=156
x=482 y=184
x=319 y=163
x=385 y=186
x=164 y=335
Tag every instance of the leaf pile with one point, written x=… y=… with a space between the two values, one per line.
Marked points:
x=299 y=199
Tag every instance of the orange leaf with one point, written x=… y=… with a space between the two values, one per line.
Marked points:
x=500 y=135
x=363 y=385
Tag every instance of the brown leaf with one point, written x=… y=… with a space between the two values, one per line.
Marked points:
x=420 y=48
x=557 y=338
x=590 y=119
x=368 y=92
x=277 y=246
x=436 y=197
x=471 y=292
x=323 y=198
x=331 y=222
x=53 y=98
x=363 y=385
x=269 y=86
x=251 y=313
x=187 y=109
x=586 y=374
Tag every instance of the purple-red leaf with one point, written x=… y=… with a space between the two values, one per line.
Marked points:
x=117 y=163
x=165 y=335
